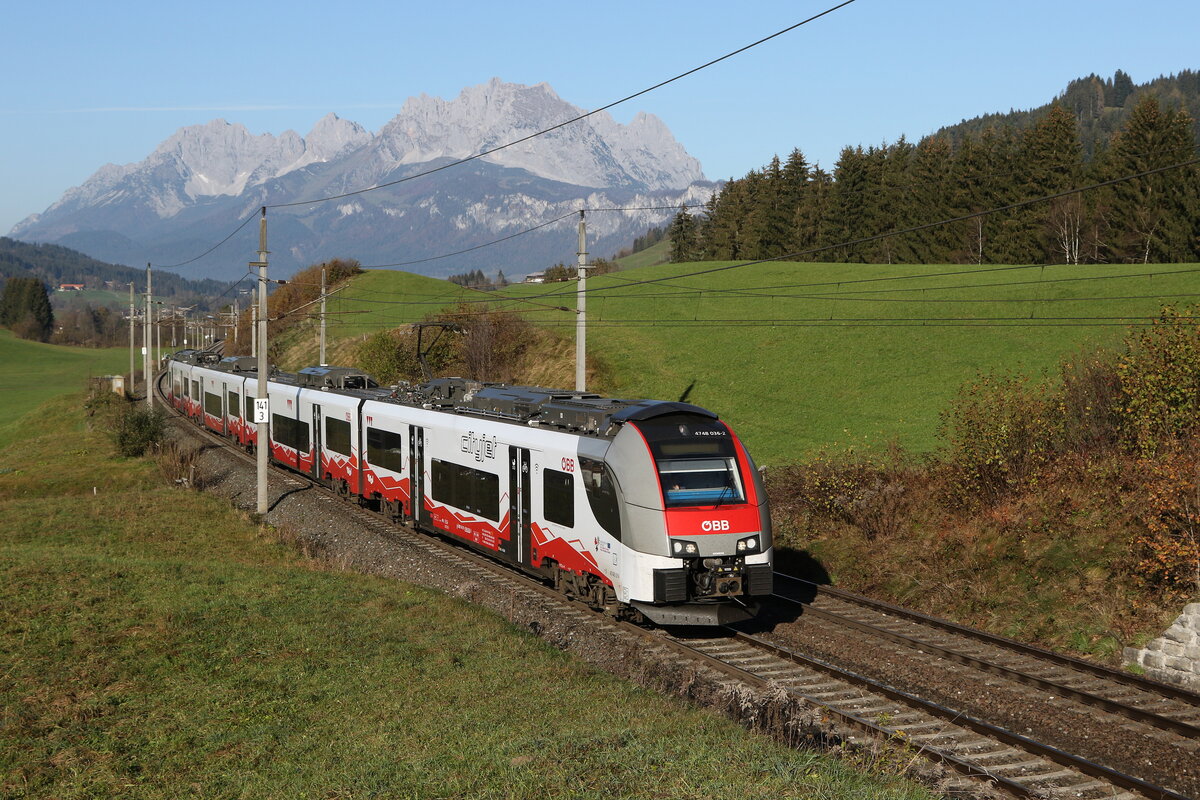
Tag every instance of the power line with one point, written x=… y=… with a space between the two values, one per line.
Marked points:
x=476 y=247
x=565 y=123
x=214 y=247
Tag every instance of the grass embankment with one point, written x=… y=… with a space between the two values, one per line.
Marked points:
x=35 y=372
x=156 y=644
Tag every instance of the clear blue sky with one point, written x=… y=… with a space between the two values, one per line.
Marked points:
x=88 y=83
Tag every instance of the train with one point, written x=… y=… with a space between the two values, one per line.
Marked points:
x=652 y=511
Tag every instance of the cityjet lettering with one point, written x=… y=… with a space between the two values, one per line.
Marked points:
x=481 y=446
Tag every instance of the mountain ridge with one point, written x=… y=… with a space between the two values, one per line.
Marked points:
x=185 y=194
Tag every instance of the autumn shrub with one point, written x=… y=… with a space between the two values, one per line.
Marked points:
x=136 y=429
x=1167 y=548
x=1089 y=403
x=1001 y=432
x=872 y=494
x=1159 y=374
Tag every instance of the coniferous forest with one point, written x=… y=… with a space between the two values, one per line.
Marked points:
x=794 y=209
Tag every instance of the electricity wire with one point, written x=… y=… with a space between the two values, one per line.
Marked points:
x=571 y=121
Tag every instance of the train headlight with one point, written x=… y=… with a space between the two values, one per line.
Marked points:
x=748 y=545
x=680 y=547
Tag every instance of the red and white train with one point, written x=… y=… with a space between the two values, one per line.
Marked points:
x=647 y=509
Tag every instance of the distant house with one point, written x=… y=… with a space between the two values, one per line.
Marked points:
x=535 y=277
x=70 y=287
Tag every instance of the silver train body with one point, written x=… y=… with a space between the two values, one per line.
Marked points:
x=647 y=509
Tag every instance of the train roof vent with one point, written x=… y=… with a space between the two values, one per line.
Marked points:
x=335 y=378
x=238 y=364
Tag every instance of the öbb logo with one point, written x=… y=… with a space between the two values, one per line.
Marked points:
x=715 y=525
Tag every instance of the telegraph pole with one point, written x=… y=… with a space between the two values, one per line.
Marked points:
x=261 y=405
x=581 y=311
x=132 y=342
x=322 y=316
x=147 y=341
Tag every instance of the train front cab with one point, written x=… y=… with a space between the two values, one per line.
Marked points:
x=695 y=517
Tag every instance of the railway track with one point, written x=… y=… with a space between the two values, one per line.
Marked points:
x=975 y=748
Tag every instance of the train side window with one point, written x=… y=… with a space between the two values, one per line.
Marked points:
x=558 y=497
x=385 y=449
x=249 y=407
x=601 y=494
x=234 y=403
x=337 y=435
x=195 y=390
x=470 y=489
x=290 y=433
x=212 y=404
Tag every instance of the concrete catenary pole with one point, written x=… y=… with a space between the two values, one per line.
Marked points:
x=147 y=341
x=264 y=444
x=581 y=311
x=132 y=341
x=322 y=316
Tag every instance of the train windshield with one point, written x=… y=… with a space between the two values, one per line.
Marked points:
x=696 y=460
x=700 y=481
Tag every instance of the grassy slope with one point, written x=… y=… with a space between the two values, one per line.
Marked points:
x=791 y=390
x=157 y=645
x=37 y=372
x=657 y=253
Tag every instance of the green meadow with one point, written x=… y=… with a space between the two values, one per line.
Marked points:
x=36 y=372
x=799 y=357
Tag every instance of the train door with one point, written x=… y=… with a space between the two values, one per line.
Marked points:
x=416 y=468
x=519 y=494
x=317 y=441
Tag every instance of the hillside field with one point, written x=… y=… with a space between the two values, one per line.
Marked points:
x=37 y=372
x=801 y=357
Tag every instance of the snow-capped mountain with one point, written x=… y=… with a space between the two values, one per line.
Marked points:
x=199 y=183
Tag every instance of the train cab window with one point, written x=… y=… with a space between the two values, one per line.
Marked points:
x=385 y=449
x=235 y=403
x=601 y=494
x=696 y=460
x=337 y=436
x=558 y=497
x=249 y=408
x=700 y=481
x=195 y=390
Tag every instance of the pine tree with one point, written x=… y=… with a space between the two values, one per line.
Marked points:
x=1156 y=213
x=25 y=309
x=684 y=245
